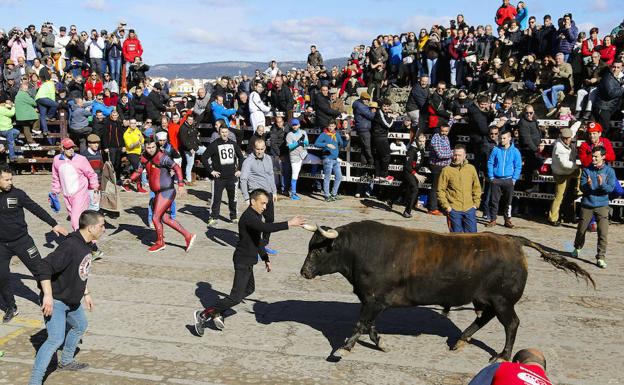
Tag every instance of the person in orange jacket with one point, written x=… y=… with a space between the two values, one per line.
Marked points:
x=174 y=128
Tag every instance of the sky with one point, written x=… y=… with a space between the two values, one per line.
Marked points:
x=251 y=30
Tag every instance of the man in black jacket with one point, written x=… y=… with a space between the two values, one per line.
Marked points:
x=154 y=105
x=322 y=107
x=417 y=101
x=250 y=229
x=545 y=37
x=608 y=96
x=530 y=138
x=479 y=119
x=112 y=140
x=363 y=116
x=64 y=274
x=380 y=128
x=224 y=169
x=281 y=98
x=14 y=238
x=279 y=152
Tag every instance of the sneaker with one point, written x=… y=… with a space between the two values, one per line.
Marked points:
x=200 y=322
x=9 y=314
x=406 y=214
x=336 y=197
x=357 y=195
x=508 y=224
x=576 y=253
x=36 y=132
x=190 y=241
x=491 y=224
x=435 y=212
x=329 y=199
x=141 y=190
x=270 y=251
x=212 y=222
x=73 y=366
x=601 y=263
x=156 y=247
x=218 y=322
x=97 y=255
x=295 y=197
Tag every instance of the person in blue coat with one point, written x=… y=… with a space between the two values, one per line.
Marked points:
x=331 y=142
x=220 y=112
x=522 y=15
x=504 y=168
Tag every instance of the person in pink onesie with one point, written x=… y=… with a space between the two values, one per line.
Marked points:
x=73 y=176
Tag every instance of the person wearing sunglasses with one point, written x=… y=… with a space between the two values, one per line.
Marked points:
x=530 y=138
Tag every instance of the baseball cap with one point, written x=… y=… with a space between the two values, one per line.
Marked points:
x=594 y=127
x=67 y=143
x=295 y=122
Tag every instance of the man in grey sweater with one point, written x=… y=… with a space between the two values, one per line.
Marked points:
x=257 y=173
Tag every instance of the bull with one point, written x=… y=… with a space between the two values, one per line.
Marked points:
x=391 y=266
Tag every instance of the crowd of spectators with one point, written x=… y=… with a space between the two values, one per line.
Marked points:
x=488 y=82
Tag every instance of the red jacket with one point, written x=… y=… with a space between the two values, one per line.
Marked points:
x=585 y=152
x=111 y=101
x=131 y=49
x=95 y=87
x=505 y=13
x=174 y=129
x=585 y=51
x=607 y=54
x=510 y=373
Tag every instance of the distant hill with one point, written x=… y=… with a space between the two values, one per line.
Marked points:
x=232 y=68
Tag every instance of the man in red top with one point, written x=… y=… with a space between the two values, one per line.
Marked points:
x=594 y=130
x=528 y=367
x=131 y=47
x=505 y=12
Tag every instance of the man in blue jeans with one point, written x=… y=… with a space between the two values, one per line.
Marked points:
x=561 y=82
x=63 y=276
x=331 y=142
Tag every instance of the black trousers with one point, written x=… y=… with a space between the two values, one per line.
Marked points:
x=218 y=185
x=433 y=193
x=367 y=152
x=502 y=192
x=529 y=166
x=28 y=253
x=135 y=161
x=382 y=156
x=244 y=284
x=114 y=156
x=269 y=217
x=411 y=192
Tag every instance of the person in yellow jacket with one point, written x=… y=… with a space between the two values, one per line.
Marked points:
x=459 y=193
x=133 y=140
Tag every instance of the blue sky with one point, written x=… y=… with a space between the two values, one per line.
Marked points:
x=216 y=30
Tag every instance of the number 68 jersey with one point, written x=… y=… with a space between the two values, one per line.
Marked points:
x=225 y=157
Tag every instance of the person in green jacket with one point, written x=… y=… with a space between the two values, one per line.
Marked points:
x=7 y=111
x=26 y=115
x=46 y=101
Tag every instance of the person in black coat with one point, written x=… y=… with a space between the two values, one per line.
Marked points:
x=608 y=96
x=382 y=122
x=545 y=36
x=417 y=102
x=154 y=104
x=322 y=106
x=529 y=140
x=479 y=119
x=281 y=98
x=137 y=105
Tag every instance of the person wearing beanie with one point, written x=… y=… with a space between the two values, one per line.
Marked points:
x=73 y=176
x=93 y=153
x=297 y=141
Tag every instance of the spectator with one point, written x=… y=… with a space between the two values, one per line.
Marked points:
x=98 y=105
x=280 y=154
x=7 y=111
x=154 y=103
x=46 y=101
x=504 y=168
x=438 y=108
x=173 y=128
x=597 y=182
x=272 y=71
x=314 y=57
x=79 y=122
x=281 y=98
x=417 y=102
x=297 y=141
x=505 y=13
x=363 y=117
x=562 y=82
x=26 y=114
x=257 y=108
x=114 y=56
x=529 y=141
x=112 y=140
x=608 y=96
x=440 y=155
x=322 y=107
x=527 y=363
x=594 y=130
x=565 y=173
x=591 y=45
x=201 y=103
x=593 y=73
x=94 y=155
x=382 y=122
x=226 y=161
x=413 y=178
x=522 y=15
x=94 y=84
x=331 y=142
x=136 y=72
x=189 y=144
x=219 y=112
x=95 y=46
x=459 y=192
x=133 y=143
x=566 y=38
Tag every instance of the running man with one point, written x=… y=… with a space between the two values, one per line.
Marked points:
x=158 y=166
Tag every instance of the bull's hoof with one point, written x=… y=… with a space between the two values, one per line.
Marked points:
x=382 y=346
x=459 y=345
x=342 y=353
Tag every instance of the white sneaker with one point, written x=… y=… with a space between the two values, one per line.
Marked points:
x=218 y=322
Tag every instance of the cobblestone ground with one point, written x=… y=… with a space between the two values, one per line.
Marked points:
x=140 y=329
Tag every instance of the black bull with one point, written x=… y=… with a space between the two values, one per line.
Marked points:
x=390 y=266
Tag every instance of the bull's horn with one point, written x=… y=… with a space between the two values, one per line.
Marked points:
x=329 y=234
x=310 y=227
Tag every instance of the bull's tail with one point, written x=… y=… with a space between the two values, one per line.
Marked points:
x=557 y=260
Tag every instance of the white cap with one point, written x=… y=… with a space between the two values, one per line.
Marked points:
x=161 y=135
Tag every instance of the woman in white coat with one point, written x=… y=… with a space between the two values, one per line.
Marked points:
x=257 y=108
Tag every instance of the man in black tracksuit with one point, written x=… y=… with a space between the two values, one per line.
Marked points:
x=249 y=247
x=380 y=127
x=227 y=159
x=14 y=238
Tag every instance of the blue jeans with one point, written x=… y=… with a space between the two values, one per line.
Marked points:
x=456 y=72
x=11 y=134
x=190 y=162
x=463 y=221
x=551 y=101
x=331 y=166
x=62 y=315
x=114 y=66
x=47 y=109
x=530 y=85
x=432 y=68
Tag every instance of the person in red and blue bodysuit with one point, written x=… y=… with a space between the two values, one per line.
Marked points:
x=158 y=166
